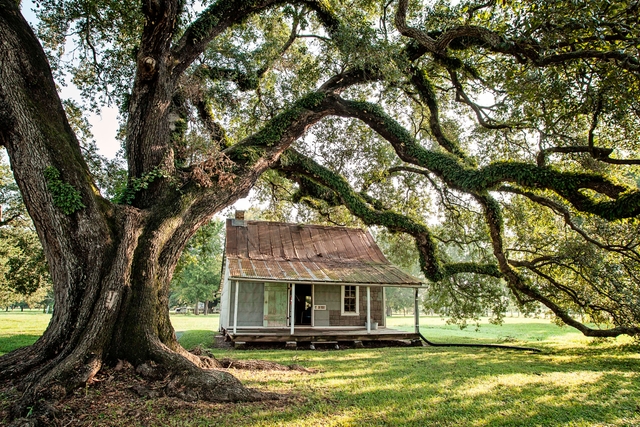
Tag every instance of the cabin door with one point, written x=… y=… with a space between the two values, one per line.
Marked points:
x=275 y=304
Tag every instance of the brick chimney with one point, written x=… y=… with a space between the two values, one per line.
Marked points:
x=240 y=215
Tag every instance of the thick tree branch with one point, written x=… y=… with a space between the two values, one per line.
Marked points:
x=225 y=13
x=598 y=153
x=214 y=129
x=247 y=80
x=319 y=182
x=569 y=185
x=519 y=285
x=524 y=51
x=428 y=96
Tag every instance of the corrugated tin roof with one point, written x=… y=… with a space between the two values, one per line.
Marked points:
x=308 y=253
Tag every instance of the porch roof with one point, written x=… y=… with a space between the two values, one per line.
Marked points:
x=273 y=251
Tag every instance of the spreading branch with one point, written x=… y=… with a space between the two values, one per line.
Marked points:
x=524 y=51
x=225 y=13
x=519 y=285
x=319 y=182
x=625 y=203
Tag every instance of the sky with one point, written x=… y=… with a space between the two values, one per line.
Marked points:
x=105 y=125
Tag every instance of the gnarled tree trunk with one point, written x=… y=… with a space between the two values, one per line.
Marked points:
x=110 y=264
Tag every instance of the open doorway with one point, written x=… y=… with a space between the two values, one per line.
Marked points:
x=303 y=305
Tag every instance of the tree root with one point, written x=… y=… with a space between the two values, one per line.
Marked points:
x=502 y=346
x=201 y=384
x=178 y=374
x=262 y=365
x=191 y=382
x=208 y=360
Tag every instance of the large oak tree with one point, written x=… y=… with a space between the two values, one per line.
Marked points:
x=214 y=94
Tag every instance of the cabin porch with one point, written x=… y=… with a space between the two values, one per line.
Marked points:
x=316 y=335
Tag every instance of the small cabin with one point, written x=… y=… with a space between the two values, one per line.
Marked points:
x=310 y=283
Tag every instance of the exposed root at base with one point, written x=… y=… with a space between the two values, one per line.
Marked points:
x=191 y=385
x=181 y=380
x=208 y=360
x=262 y=365
x=115 y=395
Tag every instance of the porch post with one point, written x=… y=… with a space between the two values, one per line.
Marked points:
x=235 y=309
x=368 y=309
x=416 y=312
x=293 y=306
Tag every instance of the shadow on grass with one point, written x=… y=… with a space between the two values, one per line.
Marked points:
x=13 y=342
x=194 y=338
x=418 y=387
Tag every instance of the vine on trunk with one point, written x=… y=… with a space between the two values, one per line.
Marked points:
x=65 y=197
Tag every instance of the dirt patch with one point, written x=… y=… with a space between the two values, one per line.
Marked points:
x=121 y=397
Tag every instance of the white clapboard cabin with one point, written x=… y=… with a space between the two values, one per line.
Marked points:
x=305 y=283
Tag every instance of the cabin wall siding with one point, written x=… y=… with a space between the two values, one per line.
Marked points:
x=250 y=303
x=331 y=297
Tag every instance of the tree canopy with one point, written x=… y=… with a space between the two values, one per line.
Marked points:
x=502 y=137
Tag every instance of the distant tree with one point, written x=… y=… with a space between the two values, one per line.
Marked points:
x=197 y=275
x=23 y=267
x=399 y=300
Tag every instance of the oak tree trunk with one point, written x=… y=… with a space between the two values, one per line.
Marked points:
x=110 y=264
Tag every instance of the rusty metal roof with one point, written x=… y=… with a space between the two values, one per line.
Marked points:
x=261 y=250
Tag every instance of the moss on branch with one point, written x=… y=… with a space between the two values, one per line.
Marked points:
x=253 y=148
x=463 y=177
x=319 y=182
x=427 y=94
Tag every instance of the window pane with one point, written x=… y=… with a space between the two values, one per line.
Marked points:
x=349 y=302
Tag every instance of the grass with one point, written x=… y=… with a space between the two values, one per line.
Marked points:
x=575 y=381
x=21 y=328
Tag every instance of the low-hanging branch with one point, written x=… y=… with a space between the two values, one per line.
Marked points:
x=319 y=182
x=520 y=286
x=568 y=185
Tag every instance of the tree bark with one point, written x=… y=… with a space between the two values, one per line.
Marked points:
x=110 y=264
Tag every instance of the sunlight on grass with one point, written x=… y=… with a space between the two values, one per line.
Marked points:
x=187 y=322
x=432 y=386
x=575 y=381
x=21 y=328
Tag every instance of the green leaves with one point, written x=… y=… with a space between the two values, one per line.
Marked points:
x=65 y=197
x=197 y=275
x=127 y=194
x=23 y=267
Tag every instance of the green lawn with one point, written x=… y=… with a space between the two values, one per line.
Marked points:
x=575 y=381
x=21 y=328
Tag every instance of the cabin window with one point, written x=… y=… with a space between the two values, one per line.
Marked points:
x=350 y=301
